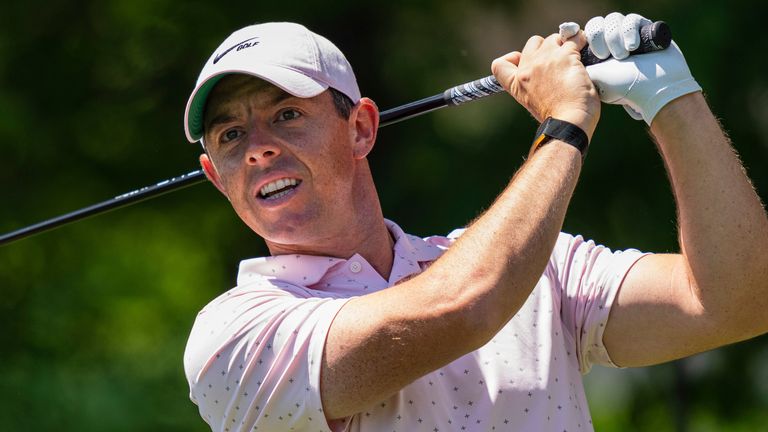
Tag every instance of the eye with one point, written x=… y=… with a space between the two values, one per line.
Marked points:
x=230 y=135
x=289 y=114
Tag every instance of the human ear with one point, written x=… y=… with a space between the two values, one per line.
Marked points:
x=210 y=172
x=364 y=124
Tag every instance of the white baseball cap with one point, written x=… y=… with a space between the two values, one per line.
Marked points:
x=287 y=55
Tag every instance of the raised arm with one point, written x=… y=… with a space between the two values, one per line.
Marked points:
x=716 y=291
x=713 y=292
x=381 y=342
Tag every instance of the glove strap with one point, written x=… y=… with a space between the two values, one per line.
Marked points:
x=563 y=131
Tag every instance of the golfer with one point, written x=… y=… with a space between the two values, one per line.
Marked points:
x=353 y=324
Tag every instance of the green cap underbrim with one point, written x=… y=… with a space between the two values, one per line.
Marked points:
x=197 y=107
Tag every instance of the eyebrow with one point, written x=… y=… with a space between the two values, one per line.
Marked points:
x=226 y=118
x=219 y=119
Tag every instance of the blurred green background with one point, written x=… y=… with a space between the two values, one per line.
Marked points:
x=94 y=316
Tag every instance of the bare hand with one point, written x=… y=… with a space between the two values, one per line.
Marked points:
x=548 y=79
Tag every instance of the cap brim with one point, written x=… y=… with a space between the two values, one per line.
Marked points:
x=292 y=82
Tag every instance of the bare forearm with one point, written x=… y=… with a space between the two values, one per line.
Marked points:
x=459 y=303
x=498 y=261
x=723 y=226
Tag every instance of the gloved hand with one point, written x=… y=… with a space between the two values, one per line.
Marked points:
x=642 y=83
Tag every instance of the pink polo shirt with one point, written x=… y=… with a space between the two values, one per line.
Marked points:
x=253 y=356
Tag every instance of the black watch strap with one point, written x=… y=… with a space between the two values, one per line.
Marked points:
x=563 y=131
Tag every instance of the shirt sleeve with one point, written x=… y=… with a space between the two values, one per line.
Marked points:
x=254 y=354
x=589 y=276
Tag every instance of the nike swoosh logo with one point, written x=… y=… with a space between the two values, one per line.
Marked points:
x=219 y=56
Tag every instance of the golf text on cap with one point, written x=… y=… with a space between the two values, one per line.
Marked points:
x=240 y=45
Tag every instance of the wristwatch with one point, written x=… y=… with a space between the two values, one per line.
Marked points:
x=561 y=130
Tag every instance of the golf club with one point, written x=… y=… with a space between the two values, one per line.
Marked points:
x=655 y=36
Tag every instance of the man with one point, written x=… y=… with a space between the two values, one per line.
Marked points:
x=352 y=324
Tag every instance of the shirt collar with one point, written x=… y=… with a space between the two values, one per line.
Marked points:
x=305 y=270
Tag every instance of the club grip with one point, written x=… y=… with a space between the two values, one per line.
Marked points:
x=472 y=90
x=653 y=37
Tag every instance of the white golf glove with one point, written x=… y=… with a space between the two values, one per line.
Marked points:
x=643 y=83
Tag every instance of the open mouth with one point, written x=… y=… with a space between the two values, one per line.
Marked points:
x=278 y=188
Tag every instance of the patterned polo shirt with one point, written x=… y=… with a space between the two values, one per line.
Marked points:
x=254 y=354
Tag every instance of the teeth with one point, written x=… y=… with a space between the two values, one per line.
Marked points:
x=279 y=194
x=277 y=185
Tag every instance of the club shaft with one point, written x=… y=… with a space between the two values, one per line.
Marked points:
x=117 y=202
x=194 y=177
x=654 y=37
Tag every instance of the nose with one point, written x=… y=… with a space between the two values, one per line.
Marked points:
x=261 y=148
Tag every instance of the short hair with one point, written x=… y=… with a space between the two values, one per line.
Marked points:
x=342 y=102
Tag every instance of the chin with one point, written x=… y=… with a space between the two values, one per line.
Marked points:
x=290 y=230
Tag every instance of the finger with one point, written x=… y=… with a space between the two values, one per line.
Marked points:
x=576 y=42
x=613 y=36
x=513 y=57
x=630 y=30
x=567 y=30
x=553 y=40
x=533 y=44
x=504 y=68
x=595 y=32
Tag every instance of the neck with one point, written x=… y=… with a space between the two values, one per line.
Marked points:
x=374 y=244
